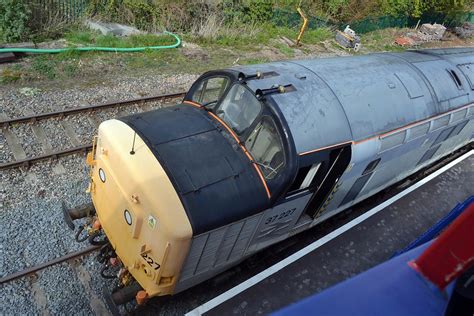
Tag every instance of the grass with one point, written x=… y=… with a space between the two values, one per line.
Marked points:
x=80 y=37
x=10 y=75
x=250 y=37
x=285 y=50
x=45 y=65
x=383 y=40
x=247 y=45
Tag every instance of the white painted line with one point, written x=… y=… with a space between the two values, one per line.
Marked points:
x=318 y=243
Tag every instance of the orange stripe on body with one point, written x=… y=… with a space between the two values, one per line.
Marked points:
x=244 y=150
x=193 y=103
x=389 y=132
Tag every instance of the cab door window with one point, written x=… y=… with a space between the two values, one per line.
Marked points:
x=240 y=108
x=265 y=146
x=210 y=90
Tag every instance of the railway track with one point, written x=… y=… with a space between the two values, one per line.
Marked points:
x=16 y=148
x=42 y=266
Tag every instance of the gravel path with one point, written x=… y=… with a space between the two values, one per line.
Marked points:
x=24 y=100
x=17 y=102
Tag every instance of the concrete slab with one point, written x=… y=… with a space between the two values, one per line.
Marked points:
x=69 y=130
x=58 y=168
x=12 y=140
x=13 y=143
x=41 y=138
x=93 y=121
x=112 y=28
x=6 y=57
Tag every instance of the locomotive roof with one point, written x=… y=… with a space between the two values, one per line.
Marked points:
x=354 y=98
x=206 y=179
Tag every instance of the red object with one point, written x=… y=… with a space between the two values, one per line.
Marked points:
x=451 y=254
x=404 y=41
x=141 y=297
x=113 y=261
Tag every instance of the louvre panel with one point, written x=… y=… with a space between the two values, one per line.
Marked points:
x=438 y=123
x=210 y=250
x=458 y=128
x=197 y=246
x=392 y=140
x=428 y=154
x=231 y=235
x=443 y=135
x=244 y=238
x=418 y=131
x=218 y=247
x=355 y=189
x=459 y=115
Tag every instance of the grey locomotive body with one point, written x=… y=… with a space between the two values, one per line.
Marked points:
x=350 y=127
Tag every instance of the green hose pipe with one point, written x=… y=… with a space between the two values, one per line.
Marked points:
x=88 y=49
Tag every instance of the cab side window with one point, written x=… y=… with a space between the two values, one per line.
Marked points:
x=210 y=90
x=266 y=148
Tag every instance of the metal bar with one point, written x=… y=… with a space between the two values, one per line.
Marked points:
x=57 y=154
x=42 y=266
x=89 y=108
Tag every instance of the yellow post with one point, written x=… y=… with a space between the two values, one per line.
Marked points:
x=303 y=26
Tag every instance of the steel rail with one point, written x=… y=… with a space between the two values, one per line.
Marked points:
x=28 y=161
x=89 y=108
x=63 y=113
x=47 y=264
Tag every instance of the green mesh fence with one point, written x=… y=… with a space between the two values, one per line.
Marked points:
x=292 y=19
x=57 y=11
x=376 y=23
x=470 y=17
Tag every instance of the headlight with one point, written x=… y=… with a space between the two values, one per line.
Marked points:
x=128 y=217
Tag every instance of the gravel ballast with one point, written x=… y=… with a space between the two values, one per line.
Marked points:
x=31 y=222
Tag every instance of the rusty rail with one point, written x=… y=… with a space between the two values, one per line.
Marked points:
x=89 y=108
x=84 y=109
x=47 y=264
x=28 y=161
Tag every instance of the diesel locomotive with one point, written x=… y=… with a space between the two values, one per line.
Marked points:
x=256 y=154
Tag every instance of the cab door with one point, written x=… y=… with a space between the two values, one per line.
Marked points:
x=318 y=177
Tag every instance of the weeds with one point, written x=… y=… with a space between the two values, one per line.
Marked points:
x=79 y=37
x=250 y=37
x=45 y=66
x=89 y=38
x=10 y=75
x=258 y=60
x=383 y=40
x=70 y=70
x=285 y=50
